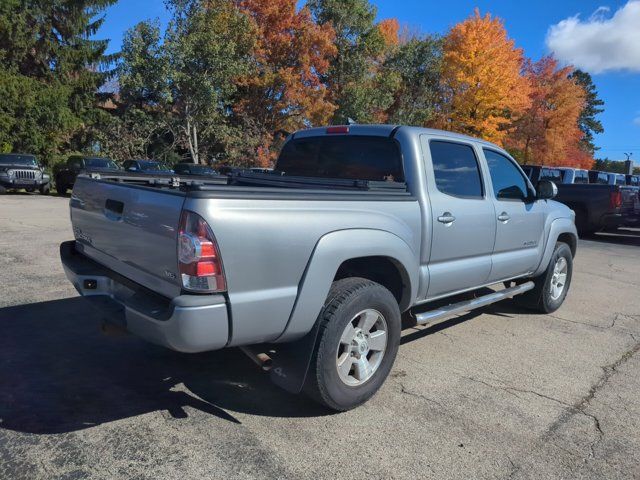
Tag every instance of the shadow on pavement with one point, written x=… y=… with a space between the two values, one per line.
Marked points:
x=622 y=236
x=58 y=373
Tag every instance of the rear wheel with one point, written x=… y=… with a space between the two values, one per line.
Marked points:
x=552 y=286
x=357 y=344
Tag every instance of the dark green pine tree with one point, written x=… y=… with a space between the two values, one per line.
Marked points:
x=52 y=68
x=589 y=124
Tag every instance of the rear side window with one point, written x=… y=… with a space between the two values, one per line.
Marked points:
x=357 y=157
x=620 y=180
x=508 y=182
x=456 y=170
x=581 y=177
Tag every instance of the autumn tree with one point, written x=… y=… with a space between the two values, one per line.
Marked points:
x=291 y=53
x=483 y=86
x=548 y=133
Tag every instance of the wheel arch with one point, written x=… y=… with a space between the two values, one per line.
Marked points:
x=367 y=253
x=561 y=229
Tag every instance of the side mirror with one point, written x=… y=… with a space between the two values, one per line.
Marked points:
x=546 y=190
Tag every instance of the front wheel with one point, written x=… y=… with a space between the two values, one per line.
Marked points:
x=45 y=189
x=358 y=340
x=552 y=286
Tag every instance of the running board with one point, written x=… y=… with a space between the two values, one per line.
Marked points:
x=467 y=305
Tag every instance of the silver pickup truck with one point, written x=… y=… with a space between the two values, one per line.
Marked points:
x=318 y=261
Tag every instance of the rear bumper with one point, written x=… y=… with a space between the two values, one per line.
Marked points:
x=188 y=323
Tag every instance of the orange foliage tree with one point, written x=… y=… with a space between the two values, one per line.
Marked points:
x=390 y=30
x=292 y=52
x=482 y=79
x=549 y=133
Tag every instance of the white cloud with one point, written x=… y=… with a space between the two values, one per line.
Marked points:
x=601 y=43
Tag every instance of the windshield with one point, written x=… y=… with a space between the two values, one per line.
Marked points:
x=202 y=169
x=100 y=163
x=11 y=159
x=149 y=165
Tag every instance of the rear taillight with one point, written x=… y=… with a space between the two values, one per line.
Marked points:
x=199 y=261
x=616 y=199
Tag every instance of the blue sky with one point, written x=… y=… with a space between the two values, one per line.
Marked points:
x=527 y=24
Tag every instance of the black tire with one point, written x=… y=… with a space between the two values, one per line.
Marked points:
x=540 y=298
x=61 y=189
x=45 y=189
x=346 y=299
x=30 y=189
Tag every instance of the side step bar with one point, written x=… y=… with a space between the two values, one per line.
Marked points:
x=467 y=305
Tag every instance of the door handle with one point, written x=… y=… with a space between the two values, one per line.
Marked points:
x=504 y=217
x=446 y=218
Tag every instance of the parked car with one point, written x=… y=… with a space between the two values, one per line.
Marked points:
x=65 y=174
x=633 y=180
x=376 y=221
x=185 y=168
x=597 y=206
x=18 y=170
x=146 y=166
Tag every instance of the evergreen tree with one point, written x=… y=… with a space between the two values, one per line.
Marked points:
x=588 y=122
x=52 y=69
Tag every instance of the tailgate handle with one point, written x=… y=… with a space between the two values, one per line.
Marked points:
x=113 y=209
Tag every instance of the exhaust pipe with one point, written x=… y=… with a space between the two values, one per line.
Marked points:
x=261 y=359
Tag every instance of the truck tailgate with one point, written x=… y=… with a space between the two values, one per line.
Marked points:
x=130 y=230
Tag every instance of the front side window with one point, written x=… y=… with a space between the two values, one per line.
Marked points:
x=456 y=170
x=508 y=182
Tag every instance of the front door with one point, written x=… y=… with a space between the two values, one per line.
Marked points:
x=520 y=219
x=463 y=217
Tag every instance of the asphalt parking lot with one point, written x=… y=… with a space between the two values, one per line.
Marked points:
x=493 y=394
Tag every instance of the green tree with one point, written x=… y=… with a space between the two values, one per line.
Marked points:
x=52 y=68
x=418 y=65
x=589 y=124
x=353 y=77
x=208 y=46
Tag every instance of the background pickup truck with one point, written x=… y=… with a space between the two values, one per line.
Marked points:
x=65 y=174
x=319 y=258
x=597 y=206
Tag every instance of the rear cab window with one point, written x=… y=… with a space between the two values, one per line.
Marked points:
x=581 y=176
x=456 y=169
x=356 y=157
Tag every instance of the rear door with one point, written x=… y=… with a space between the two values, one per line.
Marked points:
x=520 y=219
x=463 y=217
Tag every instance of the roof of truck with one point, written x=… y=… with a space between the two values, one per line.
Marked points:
x=384 y=130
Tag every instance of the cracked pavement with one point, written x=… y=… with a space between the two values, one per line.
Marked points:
x=496 y=394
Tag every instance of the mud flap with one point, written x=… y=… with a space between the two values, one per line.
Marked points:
x=291 y=362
